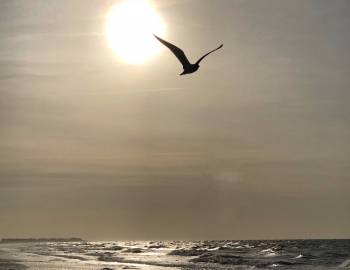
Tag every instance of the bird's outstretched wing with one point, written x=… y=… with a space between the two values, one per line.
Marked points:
x=200 y=59
x=176 y=51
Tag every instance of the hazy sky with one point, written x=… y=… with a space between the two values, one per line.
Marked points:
x=254 y=145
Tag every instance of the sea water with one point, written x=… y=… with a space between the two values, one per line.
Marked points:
x=228 y=254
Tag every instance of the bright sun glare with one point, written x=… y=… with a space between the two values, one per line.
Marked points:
x=129 y=29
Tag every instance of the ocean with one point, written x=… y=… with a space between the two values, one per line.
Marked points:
x=157 y=255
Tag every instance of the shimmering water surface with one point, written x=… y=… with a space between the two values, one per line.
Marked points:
x=284 y=254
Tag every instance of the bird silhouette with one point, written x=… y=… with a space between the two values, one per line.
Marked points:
x=180 y=55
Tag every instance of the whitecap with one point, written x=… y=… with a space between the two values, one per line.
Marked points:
x=345 y=264
x=268 y=252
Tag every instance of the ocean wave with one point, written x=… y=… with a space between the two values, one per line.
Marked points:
x=113 y=248
x=219 y=258
x=133 y=250
x=345 y=264
x=269 y=252
x=186 y=252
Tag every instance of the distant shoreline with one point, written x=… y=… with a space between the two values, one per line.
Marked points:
x=30 y=240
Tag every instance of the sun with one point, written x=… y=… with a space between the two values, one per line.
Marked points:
x=129 y=28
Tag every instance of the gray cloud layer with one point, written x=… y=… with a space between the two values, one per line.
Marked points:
x=256 y=145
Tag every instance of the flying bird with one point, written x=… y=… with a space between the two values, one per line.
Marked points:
x=187 y=66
